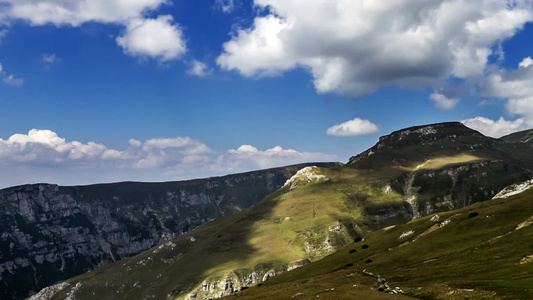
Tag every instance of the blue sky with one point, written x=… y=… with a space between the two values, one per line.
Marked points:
x=157 y=90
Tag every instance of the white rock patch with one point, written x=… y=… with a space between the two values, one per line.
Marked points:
x=49 y=292
x=435 y=218
x=406 y=234
x=514 y=189
x=307 y=174
x=524 y=224
x=446 y=222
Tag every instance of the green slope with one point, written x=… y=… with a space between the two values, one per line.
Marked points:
x=485 y=251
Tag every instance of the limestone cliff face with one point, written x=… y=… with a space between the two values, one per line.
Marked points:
x=49 y=233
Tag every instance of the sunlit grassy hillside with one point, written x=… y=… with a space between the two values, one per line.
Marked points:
x=480 y=252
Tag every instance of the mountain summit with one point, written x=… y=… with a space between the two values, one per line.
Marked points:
x=417 y=143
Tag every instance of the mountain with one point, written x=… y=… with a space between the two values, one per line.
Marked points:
x=407 y=175
x=482 y=251
x=525 y=137
x=50 y=233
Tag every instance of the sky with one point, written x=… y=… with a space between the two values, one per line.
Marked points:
x=159 y=90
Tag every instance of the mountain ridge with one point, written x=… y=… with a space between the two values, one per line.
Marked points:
x=317 y=214
x=51 y=232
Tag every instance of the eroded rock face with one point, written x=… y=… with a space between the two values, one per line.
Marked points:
x=50 y=233
x=431 y=191
x=214 y=288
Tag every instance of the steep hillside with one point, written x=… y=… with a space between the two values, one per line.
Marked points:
x=480 y=252
x=407 y=175
x=525 y=137
x=50 y=232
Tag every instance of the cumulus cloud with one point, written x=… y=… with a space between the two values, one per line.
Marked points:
x=198 y=68
x=226 y=6
x=77 y=12
x=249 y=157
x=516 y=88
x=42 y=155
x=3 y=33
x=145 y=37
x=493 y=128
x=48 y=58
x=353 y=127
x=443 y=102
x=10 y=79
x=46 y=147
x=514 y=84
x=526 y=62
x=157 y=38
x=365 y=45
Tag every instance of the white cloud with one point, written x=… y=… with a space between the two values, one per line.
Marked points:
x=42 y=155
x=493 y=128
x=443 y=102
x=144 y=37
x=226 y=6
x=10 y=79
x=526 y=62
x=198 y=68
x=135 y=143
x=3 y=33
x=515 y=86
x=486 y=102
x=249 y=157
x=48 y=58
x=365 y=45
x=523 y=107
x=45 y=147
x=157 y=38
x=77 y=12
x=353 y=127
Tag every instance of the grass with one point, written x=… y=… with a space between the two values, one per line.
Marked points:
x=474 y=258
x=445 y=161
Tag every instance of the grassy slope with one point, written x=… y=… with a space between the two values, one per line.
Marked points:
x=269 y=236
x=474 y=258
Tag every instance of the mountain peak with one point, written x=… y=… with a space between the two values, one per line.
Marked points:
x=429 y=132
x=439 y=137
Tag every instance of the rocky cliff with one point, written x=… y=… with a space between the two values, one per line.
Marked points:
x=49 y=232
